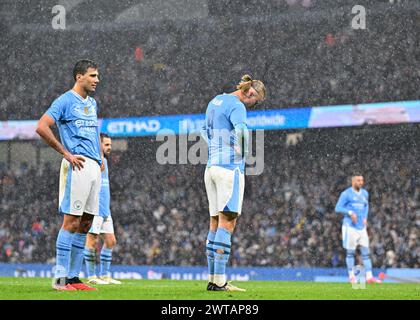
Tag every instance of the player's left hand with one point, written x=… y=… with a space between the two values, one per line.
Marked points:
x=365 y=222
x=76 y=161
x=238 y=150
x=103 y=164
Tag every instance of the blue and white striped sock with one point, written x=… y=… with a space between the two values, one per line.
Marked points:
x=367 y=263
x=210 y=254
x=63 y=251
x=350 y=261
x=90 y=261
x=76 y=258
x=106 y=258
x=221 y=246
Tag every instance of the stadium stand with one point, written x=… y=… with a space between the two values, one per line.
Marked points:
x=170 y=66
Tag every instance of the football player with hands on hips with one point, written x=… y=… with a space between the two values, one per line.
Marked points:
x=75 y=114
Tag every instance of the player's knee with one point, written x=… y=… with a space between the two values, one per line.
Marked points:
x=227 y=221
x=93 y=237
x=71 y=225
x=214 y=222
x=110 y=243
x=84 y=226
x=91 y=240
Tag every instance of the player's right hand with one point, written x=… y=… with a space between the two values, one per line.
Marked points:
x=75 y=161
x=353 y=217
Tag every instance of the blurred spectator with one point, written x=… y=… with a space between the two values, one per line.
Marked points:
x=168 y=67
x=160 y=211
x=314 y=61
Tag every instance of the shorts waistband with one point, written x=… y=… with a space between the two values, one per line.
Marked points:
x=88 y=158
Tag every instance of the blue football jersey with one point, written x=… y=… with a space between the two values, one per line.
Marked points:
x=223 y=113
x=358 y=202
x=77 y=123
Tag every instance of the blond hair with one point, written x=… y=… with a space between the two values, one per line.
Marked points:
x=247 y=82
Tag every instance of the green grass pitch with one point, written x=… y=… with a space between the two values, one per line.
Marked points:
x=40 y=289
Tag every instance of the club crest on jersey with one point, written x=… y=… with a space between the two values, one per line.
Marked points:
x=77 y=204
x=81 y=110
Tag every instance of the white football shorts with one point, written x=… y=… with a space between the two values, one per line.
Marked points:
x=102 y=225
x=225 y=189
x=79 y=189
x=353 y=237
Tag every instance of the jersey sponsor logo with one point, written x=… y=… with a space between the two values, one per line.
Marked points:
x=86 y=123
x=87 y=126
x=133 y=126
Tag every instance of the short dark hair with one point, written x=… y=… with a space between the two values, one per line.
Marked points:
x=104 y=135
x=82 y=66
x=357 y=174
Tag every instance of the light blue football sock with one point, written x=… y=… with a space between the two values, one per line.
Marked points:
x=210 y=253
x=76 y=257
x=350 y=260
x=63 y=251
x=90 y=261
x=367 y=263
x=221 y=248
x=106 y=258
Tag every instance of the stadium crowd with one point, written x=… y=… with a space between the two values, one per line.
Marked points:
x=160 y=211
x=172 y=67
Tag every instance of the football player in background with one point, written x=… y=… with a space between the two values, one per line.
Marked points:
x=354 y=205
x=103 y=226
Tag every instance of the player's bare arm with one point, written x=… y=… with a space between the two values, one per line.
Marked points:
x=44 y=130
x=103 y=163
